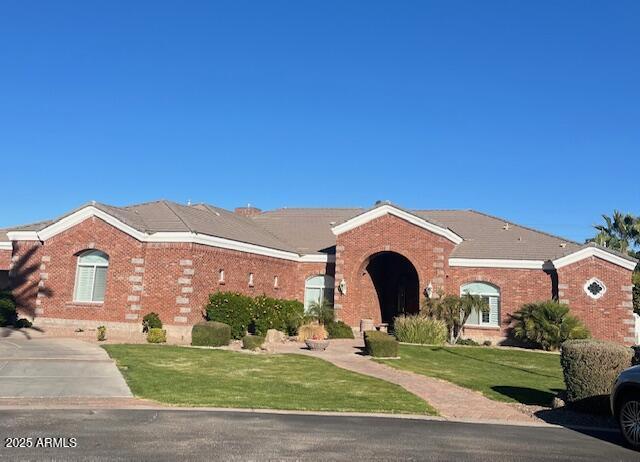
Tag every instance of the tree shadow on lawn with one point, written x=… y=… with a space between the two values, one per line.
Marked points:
x=526 y=395
x=485 y=361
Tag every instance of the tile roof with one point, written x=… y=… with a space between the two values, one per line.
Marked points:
x=308 y=230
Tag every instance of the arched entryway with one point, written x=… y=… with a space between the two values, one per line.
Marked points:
x=396 y=283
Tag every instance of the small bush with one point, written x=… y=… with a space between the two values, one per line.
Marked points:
x=210 y=333
x=420 y=329
x=321 y=312
x=23 y=323
x=156 y=335
x=8 y=314
x=380 y=344
x=467 y=342
x=252 y=342
x=151 y=321
x=101 y=333
x=546 y=325
x=590 y=368
x=486 y=343
x=233 y=309
x=339 y=329
x=312 y=330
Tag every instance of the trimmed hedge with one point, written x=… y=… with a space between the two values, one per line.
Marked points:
x=339 y=329
x=420 y=329
x=156 y=335
x=252 y=342
x=8 y=314
x=590 y=368
x=232 y=309
x=151 y=321
x=380 y=344
x=273 y=313
x=257 y=315
x=210 y=333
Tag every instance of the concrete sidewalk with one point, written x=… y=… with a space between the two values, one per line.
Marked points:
x=450 y=400
x=57 y=367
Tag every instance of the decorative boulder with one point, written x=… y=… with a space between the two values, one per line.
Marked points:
x=275 y=336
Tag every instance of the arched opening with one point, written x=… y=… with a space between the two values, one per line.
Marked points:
x=396 y=282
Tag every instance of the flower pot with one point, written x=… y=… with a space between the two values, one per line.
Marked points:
x=317 y=345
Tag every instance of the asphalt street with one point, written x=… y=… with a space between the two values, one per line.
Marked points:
x=206 y=435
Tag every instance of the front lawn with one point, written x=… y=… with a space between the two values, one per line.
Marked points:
x=509 y=375
x=216 y=378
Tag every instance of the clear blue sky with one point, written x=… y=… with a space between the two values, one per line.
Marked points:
x=527 y=110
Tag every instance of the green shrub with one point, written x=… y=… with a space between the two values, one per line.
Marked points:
x=546 y=325
x=156 y=335
x=8 y=313
x=231 y=308
x=321 y=312
x=590 y=368
x=339 y=329
x=272 y=313
x=252 y=342
x=380 y=344
x=420 y=329
x=101 y=333
x=210 y=333
x=486 y=343
x=23 y=323
x=467 y=342
x=151 y=321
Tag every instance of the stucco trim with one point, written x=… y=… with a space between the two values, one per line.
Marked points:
x=181 y=237
x=383 y=210
x=6 y=245
x=593 y=252
x=497 y=263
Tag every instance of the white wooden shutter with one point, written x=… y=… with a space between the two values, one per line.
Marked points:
x=494 y=311
x=84 y=284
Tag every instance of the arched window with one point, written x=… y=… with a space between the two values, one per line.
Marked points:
x=317 y=289
x=91 y=276
x=492 y=295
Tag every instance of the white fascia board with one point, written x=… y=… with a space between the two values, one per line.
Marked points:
x=316 y=258
x=81 y=215
x=186 y=237
x=594 y=252
x=6 y=245
x=497 y=263
x=390 y=210
x=23 y=235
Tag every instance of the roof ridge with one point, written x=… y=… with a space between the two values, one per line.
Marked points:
x=170 y=206
x=555 y=236
x=252 y=223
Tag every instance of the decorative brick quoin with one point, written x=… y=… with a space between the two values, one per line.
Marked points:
x=101 y=264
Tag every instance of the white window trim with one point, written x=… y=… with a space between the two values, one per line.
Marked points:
x=485 y=294
x=588 y=292
x=93 y=280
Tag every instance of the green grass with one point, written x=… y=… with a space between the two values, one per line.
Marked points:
x=216 y=378
x=508 y=375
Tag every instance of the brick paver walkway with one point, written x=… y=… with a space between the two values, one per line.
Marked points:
x=450 y=400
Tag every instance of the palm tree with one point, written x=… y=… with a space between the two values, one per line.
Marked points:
x=620 y=232
x=454 y=311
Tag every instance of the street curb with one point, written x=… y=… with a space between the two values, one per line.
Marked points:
x=427 y=418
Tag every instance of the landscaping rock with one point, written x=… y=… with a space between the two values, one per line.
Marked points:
x=274 y=336
x=557 y=402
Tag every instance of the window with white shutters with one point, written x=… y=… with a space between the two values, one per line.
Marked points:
x=91 y=276
x=491 y=294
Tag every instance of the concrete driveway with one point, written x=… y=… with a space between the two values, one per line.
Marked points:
x=57 y=368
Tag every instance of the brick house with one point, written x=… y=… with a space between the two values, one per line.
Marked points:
x=111 y=265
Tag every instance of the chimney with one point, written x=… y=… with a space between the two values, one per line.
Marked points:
x=248 y=211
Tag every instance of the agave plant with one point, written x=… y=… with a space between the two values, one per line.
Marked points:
x=547 y=324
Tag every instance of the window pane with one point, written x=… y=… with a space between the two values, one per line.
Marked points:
x=328 y=295
x=100 y=284
x=84 y=284
x=311 y=295
x=94 y=257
